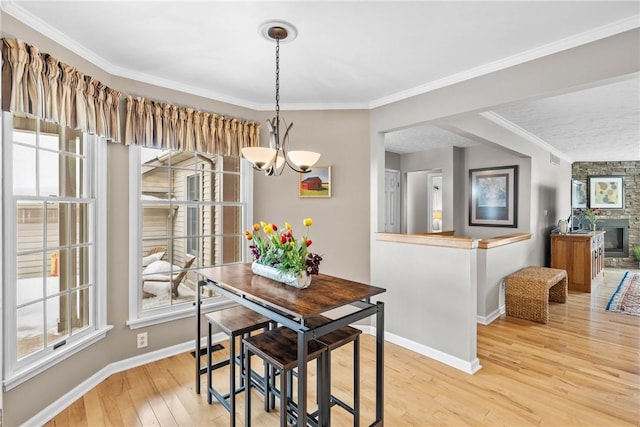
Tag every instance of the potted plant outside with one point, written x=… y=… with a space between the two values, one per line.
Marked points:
x=636 y=253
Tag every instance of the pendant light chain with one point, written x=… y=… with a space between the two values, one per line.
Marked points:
x=278 y=80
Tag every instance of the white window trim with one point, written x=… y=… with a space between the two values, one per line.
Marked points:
x=13 y=377
x=138 y=318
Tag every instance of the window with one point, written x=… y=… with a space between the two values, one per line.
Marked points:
x=191 y=212
x=52 y=289
x=193 y=190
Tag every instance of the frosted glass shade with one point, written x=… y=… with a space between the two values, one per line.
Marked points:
x=304 y=159
x=261 y=157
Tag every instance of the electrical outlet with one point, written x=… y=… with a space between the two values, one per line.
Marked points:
x=142 y=340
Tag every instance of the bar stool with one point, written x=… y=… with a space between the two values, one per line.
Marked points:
x=332 y=341
x=236 y=321
x=279 y=348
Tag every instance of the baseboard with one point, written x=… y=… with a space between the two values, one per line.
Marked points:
x=113 y=368
x=485 y=320
x=462 y=365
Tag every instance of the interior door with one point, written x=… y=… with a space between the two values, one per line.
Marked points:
x=392 y=201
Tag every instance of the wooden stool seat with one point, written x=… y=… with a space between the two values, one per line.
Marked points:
x=235 y=321
x=279 y=348
x=528 y=292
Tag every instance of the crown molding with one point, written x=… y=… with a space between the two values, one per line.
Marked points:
x=512 y=127
x=532 y=54
x=16 y=11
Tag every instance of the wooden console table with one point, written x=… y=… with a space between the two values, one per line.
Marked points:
x=581 y=255
x=290 y=306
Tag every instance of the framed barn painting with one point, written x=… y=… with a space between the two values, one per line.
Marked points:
x=606 y=191
x=493 y=196
x=316 y=183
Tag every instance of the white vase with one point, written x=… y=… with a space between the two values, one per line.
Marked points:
x=302 y=281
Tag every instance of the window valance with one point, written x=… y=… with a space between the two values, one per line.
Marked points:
x=156 y=124
x=38 y=84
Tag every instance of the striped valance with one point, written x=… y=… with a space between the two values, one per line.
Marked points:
x=38 y=84
x=157 y=124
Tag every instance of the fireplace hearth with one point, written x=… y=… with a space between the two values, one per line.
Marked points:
x=616 y=238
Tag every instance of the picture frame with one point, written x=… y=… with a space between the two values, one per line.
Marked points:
x=493 y=196
x=315 y=184
x=606 y=191
x=578 y=194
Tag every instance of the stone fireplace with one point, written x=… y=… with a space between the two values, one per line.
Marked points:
x=620 y=238
x=616 y=238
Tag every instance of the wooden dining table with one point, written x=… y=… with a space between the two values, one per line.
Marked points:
x=291 y=306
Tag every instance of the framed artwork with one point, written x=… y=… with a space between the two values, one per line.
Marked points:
x=578 y=194
x=493 y=196
x=316 y=183
x=606 y=191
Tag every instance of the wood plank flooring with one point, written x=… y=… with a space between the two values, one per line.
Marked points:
x=580 y=369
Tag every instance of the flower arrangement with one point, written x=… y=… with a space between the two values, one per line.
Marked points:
x=279 y=248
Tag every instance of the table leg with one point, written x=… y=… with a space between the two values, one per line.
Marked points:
x=380 y=363
x=302 y=379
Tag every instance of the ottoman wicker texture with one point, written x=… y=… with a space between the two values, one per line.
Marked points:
x=528 y=292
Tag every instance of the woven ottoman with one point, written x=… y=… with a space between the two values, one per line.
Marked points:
x=528 y=292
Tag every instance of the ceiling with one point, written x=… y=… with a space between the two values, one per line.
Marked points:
x=359 y=55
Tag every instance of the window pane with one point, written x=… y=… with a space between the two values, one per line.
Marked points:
x=49 y=178
x=74 y=142
x=80 y=303
x=30 y=328
x=24 y=130
x=57 y=224
x=232 y=249
x=29 y=226
x=49 y=137
x=230 y=187
x=231 y=164
x=73 y=170
x=57 y=318
x=30 y=278
x=79 y=274
x=79 y=219
x=232 y=216
x=63 y=281
x=156 y=220
x=24 y=171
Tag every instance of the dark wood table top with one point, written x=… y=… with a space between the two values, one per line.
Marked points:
x=323 y=294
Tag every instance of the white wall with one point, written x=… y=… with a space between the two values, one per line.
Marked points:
x=416 y=201
x=437 y=316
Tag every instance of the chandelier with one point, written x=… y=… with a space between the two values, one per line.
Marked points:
x=272 y=160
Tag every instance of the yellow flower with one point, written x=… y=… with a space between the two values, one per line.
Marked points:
x=263 y=224
x=268 y=229
x=307 y=222
x=287 y=226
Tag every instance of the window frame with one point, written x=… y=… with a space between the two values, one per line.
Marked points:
x=138 y=318
x=16 y=372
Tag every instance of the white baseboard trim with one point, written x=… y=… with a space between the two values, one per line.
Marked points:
x=462 y=365
x=113 y=368
x=485 y=320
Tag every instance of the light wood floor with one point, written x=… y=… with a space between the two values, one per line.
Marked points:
x=580 y=369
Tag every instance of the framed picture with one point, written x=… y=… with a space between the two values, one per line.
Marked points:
x=493 y=196
x=606 y=191
x=316 y=183
x=578 y=194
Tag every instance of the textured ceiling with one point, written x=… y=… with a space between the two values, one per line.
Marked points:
x=359 y=54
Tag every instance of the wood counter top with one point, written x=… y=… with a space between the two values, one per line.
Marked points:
x=507 y=239
x=446 y=239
